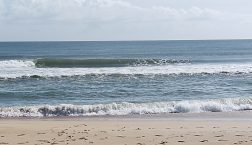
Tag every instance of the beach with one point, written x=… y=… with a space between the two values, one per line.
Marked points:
x=177 y=129
x=125 y=72
x=126 y=93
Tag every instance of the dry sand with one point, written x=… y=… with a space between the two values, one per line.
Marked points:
x=126 y=131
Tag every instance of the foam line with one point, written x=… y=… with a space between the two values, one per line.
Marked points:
x=126 y=108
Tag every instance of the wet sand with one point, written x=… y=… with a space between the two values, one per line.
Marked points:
x=210 y=129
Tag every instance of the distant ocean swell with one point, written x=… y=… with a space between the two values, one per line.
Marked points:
x=69 y=63
x=11 y=69
x=124 y=108
x=87 y=63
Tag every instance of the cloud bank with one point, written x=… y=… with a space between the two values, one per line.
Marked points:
x=113 y=19
x=96 y=10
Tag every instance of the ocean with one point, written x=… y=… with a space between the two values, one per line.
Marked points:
x=48 y=79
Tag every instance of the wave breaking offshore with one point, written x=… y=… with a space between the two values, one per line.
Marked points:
x=11 y=69
x=69 y=63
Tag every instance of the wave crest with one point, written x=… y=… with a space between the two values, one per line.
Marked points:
x=8 y=64
x=125 y=108
x=12 y=69
x=69 y=63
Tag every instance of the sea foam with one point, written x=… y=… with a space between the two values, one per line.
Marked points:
x=126 y=108
x=26 y=68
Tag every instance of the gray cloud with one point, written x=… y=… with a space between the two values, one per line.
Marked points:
x=95 y=10
x=122 y=19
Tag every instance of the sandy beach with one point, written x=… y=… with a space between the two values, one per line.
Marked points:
x=125 y=72
x=210 y=129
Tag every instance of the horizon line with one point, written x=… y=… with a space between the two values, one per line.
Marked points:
x=128 y=40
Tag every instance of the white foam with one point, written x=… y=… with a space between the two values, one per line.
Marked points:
x=9 y=64
x=21 y=68
x=125 y=108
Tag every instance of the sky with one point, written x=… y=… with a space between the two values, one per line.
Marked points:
x=106 y=20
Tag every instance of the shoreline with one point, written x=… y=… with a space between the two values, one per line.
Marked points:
x=230 y=115
x=127 y=109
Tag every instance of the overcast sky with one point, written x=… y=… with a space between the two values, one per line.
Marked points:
x=43 y=20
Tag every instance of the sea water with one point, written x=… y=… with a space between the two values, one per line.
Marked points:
x=41 y=79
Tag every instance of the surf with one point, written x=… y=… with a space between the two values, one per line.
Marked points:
x=127 y=108
x=11 y=69
x=70 y=63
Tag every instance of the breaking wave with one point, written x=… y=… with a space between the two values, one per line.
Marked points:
x=10 y=64
x=125 y=108
x=69 y=63
x=10 y=69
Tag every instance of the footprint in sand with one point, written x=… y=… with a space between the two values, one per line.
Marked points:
x=61 y=133
x=121 y=136
x=41 y=133
x=181 y=141
x=61 y=141
x=53 y=143
x=163 y=142
x=222 y=140
x=219 y=136
x=73 y=139
x=198 y=135
x=83 y=138
x=69 y=137
x=158 y=135
x=44 y=141
x=140 y=136
x=239 y=135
